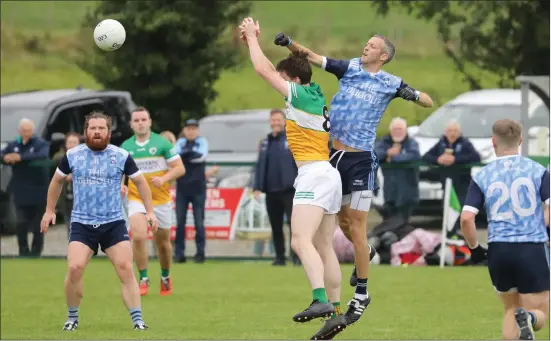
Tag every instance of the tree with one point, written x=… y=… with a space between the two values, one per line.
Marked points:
x=507 y=38
x=173 y=53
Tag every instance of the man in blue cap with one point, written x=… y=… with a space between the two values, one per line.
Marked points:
x=191 y=188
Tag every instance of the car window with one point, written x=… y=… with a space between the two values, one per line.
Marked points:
x=475 y=120
x=11 y=116
x=234 y=136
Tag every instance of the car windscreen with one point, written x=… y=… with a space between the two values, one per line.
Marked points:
x=234 y=136
x=10 y=117
x=475 y=120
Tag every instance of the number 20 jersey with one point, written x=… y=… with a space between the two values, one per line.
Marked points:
x=513 y=189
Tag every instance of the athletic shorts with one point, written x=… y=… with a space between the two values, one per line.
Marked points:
x=162 y=212
x=104 y=235
x=519 y=267
x=358 y=171
x=318 y=184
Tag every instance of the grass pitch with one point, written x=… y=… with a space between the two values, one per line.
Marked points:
x=247 y=300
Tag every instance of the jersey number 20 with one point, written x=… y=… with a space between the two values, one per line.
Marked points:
x=512 y=194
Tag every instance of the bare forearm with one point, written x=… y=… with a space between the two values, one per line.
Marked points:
x=313 y=58
x=260 y=62
x=145 y=195
x=468 y=228
x=174 y=173
x=54 y=191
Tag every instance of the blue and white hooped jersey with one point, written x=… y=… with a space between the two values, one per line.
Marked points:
x=513 y=189
x=97 y=180
x=357 y=108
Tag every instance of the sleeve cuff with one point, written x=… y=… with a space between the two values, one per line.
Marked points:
x=58 y=171
x=174 y=158
x=135 y=175
x=470 y=209
x=547 y=202
x=323 y=62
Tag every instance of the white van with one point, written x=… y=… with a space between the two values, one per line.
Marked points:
x=476 y=112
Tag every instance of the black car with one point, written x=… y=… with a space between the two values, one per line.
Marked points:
x=55 y=113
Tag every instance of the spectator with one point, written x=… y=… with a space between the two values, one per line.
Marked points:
x=275 y=175
x=191 y=188
x=66 y=204
x=454 y=149
x=401 y=186
x=28 y=156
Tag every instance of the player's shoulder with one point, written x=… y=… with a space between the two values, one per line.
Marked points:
x=533 y=166
x=128 y=143
x=390 y=77
x=81 y=148
x=117 y=150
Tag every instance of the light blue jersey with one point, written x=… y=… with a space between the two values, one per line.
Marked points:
x=513 y=189
x=97 y=180
x=361 y=101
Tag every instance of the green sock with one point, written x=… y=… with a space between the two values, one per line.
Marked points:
x=320 y=295
x=165 y=272
x=337 y=312
x=143 y=273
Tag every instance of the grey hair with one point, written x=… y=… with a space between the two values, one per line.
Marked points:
x=24 y=121
x=398 y=120
x=388 y=47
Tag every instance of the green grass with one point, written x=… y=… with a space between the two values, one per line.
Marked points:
x=248 y=300
x=338 y=29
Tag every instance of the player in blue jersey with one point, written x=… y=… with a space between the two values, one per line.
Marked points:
x=97 y=218
x=515 y=193
x=365 y=91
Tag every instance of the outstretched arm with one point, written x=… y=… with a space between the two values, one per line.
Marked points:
x=263 y=67
x=282 y=40
x=410 y=94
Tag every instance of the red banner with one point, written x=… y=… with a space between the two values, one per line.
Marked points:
x=221 y=210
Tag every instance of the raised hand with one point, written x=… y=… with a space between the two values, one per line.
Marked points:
x=282 y=40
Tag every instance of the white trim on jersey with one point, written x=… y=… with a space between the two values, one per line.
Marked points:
x=135 y=174
x=323 y=62
x=58 y=171
x=547 y=202
x=470 y=209
x=175 y=157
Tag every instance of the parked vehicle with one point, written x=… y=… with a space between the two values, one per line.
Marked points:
x=476 y=112
x=55 y=113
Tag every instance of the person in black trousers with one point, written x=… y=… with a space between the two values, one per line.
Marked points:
x=191 y=188
x=28 y=157
x=275 y=175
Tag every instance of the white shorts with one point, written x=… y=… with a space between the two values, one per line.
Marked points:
x=319 y=184
x=162 y=212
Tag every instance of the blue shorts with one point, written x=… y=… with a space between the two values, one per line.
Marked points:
x=519 y=267
x=104 y=235
x=358 y=170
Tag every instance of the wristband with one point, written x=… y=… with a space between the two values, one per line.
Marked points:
x=290 y=42
x=473 y=247
x=418 y=94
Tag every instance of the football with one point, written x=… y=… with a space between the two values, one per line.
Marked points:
x=109 y=35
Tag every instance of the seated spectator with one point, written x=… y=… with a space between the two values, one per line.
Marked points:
x=453 y=149
x=401 y=184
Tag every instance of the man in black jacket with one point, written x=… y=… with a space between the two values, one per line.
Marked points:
x=401 y=185
x=28 y=156
x=191 y=188
x=275 y=175
x=452 y=151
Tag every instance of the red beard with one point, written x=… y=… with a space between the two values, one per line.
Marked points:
x=97 y=144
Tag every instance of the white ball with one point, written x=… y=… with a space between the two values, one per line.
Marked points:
x=109 y=35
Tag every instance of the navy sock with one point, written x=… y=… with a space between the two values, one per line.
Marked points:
x=136 y=315
x=72 y=314
x=534 y=319
x=361 y=288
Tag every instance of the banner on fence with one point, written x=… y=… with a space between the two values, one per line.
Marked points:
x=221 y=211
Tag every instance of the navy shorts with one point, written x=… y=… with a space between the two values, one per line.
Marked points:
x=104 y=235
x=358 y=170
x=519 y=267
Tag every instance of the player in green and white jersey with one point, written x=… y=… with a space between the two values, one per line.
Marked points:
x=158 y=161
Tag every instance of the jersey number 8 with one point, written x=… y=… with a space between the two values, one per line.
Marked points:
x=513 y=194
x=326 y=124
